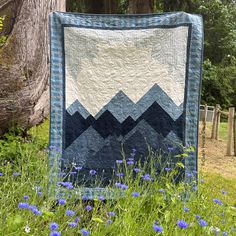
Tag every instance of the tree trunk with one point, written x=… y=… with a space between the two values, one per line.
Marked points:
x=141 y=6
x=24 y=69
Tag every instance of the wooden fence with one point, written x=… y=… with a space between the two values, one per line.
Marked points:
x=217 y=114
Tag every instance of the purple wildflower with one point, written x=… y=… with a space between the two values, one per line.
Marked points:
x=76 y=219
x=182 y=224
x=161 y=190
x=72 y=172
x=157 y=228
x=137 y=170
x=109 y=222
x=101 y=198
x=202 y=223
x=167 y=169
x=23 y=205
x=55 y=233
x=85 y=198
x=186 y=209
x=120 y=174
x=92 y=172
x=62 y=201
x=111 y=213
x=84 y=232
x=197 y=217
x=189 y=175
x=26 y=197
x=88 y=208
x=1 y=174
x=39 y=193
x=146 y=177
x=224 y=233
x=135 y=194
x=130 y=162
x=72 y=224
x=53 y=226
x=124 y=187
x=16 y=174
x=119 y=161
x=118 y=185
x=223 y=192
x=70 y=213
x=217 y=201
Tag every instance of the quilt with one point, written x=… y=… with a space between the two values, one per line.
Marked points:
x=121 y=86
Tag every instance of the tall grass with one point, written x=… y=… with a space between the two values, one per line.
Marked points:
x=151 y=206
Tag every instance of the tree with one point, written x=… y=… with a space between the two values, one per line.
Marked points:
x=24 y=62
x=140 y=6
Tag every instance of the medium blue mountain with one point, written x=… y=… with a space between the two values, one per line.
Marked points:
x=107 y=124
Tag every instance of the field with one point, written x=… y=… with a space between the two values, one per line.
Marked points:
x=152 y=206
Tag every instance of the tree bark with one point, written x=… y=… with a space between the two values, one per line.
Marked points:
x=141 y=6
x=24 y=65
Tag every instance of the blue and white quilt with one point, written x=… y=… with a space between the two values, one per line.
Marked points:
x=121 y=83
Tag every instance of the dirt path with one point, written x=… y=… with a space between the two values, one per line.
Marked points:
x=216 y=161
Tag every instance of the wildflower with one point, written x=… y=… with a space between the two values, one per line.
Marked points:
x=118 y=185
x=27 y=229
x=23 y=205
x=202 y=223
x=223 y=192
x=189 y=175
x=161 y=190
x=124 y=187
x=186 y=209
x=16 y=174
x=167 y=169
x=52 y=147
x=120 y=174
x=137 y=170
x=195 y=188
x=88 y=208
x=70 y=213
x=72 y=172
x=224 y=233
x=84 y=232
x=76 y=219
x=119 y=161
x=84 y=198
x=1 y=174
x=55 y=233
x=53 y=226
x=101 y=198
x=111 y=213
x=157 y=228
x=109 y=222
x=197 y=217
x=215 y=230
x=130 y=159
x=39 y=193
x=217 y=201
x=92 y=172
x=62 y=201
x=147 y=177
x=37 y=212
x=78 y=168
x=135 y=194
x=182 y=224
x=72 y=224
x=26 y=197
x=130 y=162
x=202 y=180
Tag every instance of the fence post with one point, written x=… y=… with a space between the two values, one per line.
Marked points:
x=235 y=134
x=230 y=131
x=218 y=122
x=215 y=124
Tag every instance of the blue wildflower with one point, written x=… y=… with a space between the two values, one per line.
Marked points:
x=70 y=213
x=62 y=201
x=130 y=162
x=197 y=217
x=111 y=213
x=1 y=174
x=224 y=233
x=76 y=219
x=53 y=226
x=101 y=198
x=157 y=228
x=92 y=172
x=120 y=174
x=119 y=161
x=124 y=187
x=39 y=193
x=202 y=223
x=135 y=194
x=186 y=209
x=23 y=205
x=26 y=197
x=72 y=172
x=78 y=168
x=118 y=185
x=88 y=208
x=223 y=192
x=85 y=198
x=161 y=190
x=217 y=201
x=72 y=224
x=55 y=233
x=84 y=232
x=167 y=169
x=137 y=170
x=189 y=175
x=16 y=174
x=109 y=222
x=182 y=224
x=146 y=177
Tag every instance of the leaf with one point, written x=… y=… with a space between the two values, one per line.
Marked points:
x=96 y=219
x=180 y=164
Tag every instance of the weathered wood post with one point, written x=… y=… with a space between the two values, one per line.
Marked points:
x=235 y=134
x=230 y=131
x=217 y=122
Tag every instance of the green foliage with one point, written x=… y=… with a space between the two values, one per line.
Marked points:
x=3 y=38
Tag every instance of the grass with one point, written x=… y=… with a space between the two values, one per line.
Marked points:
x=223 y=131
x=160 y=202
